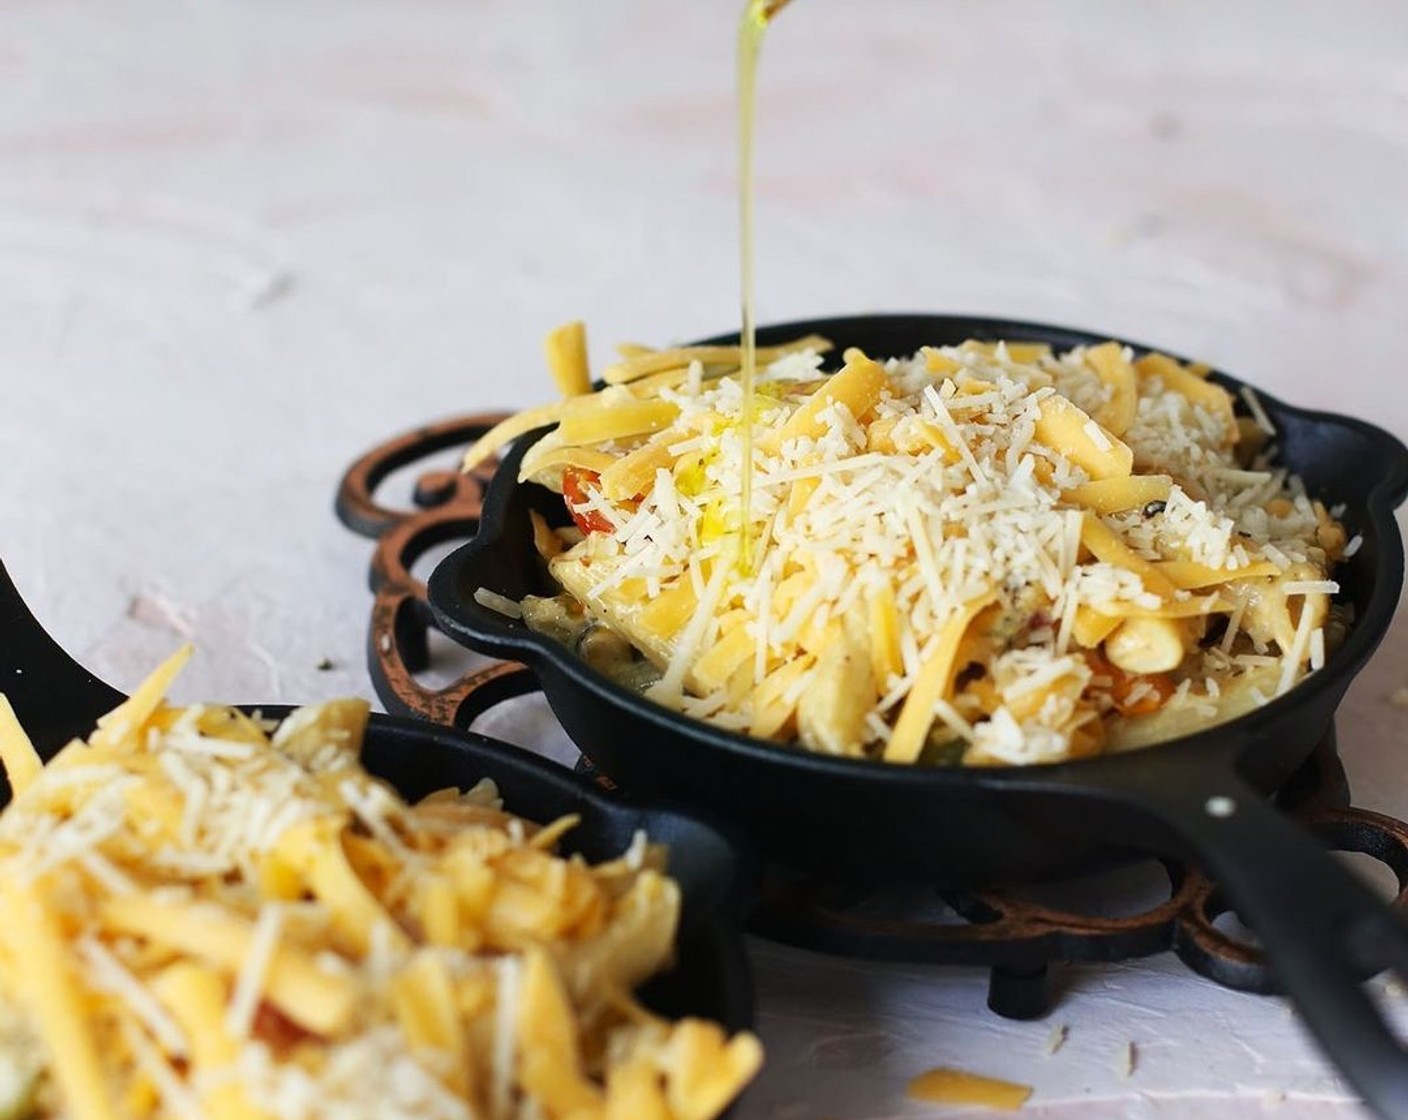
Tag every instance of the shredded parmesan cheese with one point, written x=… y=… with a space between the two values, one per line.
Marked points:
x=239 y=1016
x=110 y=975
x=496 y=602
x=1253 y=403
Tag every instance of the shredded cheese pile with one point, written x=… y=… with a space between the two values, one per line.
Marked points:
x=988 y=553
x=207 y=920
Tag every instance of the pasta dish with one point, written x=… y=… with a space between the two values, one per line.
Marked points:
x=982 y=554
x=211 y=917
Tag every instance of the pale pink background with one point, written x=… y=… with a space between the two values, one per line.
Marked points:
x=240 y=242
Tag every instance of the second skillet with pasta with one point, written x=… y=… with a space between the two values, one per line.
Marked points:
x=57 y=701
x=1200 y=796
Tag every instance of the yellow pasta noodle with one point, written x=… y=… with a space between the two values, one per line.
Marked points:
x=548 y=458
x=566 y=348
x=1064 y=428
x=1194 y=386
x=931 y=686
x=857 y=387
x=620 y=421
x=1115 y=370
x=45 y=982
x=1107 y=546
x=657 y=361
x=1187 y=575
x=628 y=475
x=1115 y=495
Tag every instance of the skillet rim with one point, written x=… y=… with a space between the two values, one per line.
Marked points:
x=457 y=614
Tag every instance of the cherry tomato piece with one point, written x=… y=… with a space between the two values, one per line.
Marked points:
x=575 y=481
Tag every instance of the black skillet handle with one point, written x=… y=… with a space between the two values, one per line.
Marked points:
x=54 y=696
x=1321 y=928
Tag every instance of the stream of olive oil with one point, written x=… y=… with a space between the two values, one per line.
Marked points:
x=754 y=25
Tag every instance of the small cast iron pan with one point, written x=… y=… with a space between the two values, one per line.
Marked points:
x=1200 y=797
x=56 y=699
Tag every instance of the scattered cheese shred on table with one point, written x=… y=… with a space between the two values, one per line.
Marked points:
x=1129 y=1059
x=956 y=1086
x=207 y=921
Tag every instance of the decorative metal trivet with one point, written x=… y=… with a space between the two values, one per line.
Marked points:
x=999 y=928
x=448 y=504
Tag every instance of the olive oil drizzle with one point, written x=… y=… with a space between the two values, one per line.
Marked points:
x=756 y=16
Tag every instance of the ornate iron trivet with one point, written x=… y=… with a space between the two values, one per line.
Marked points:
x=998 y=928
x=448 y=504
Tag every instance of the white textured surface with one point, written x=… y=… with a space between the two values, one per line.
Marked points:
x=241 y=242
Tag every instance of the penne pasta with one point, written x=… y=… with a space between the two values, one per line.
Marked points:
x=566 y=349
x=986 y=553
x=1114 y=369
x=1115 y=495
x=933 y=684
x=1064 y=428
x=206 y=920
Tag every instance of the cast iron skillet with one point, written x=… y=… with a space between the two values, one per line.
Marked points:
x=1200 y=797
x=56 y=699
